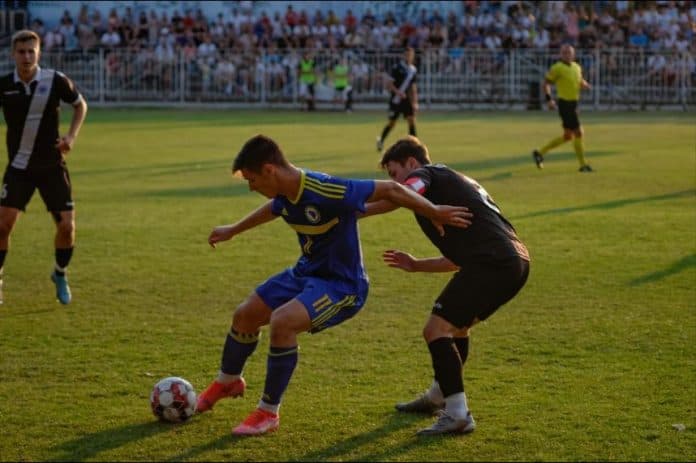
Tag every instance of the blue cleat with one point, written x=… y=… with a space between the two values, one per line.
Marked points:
x=62 y=288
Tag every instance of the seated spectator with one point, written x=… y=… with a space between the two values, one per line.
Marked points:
x=53 y=40
x=638 y=38
x=110 y=38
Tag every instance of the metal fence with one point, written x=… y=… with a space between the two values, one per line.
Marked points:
x=456 y=78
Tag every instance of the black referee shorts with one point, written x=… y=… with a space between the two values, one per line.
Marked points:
x=568 y=110
x=479 y=289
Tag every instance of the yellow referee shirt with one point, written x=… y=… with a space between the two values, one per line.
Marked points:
x=567 y=78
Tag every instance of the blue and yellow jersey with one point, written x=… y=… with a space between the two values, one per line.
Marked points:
x=324 y=215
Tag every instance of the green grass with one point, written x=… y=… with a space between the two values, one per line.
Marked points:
x=594 y=360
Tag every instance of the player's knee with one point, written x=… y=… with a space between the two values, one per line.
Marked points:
x=244 y=317
x=283 y=331
x=66 y=227
x=567 y=136
x=5 y=229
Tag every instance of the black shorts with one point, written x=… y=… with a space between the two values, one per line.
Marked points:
x=53 y=183
x=477 y=290
x=568 y=110
x=404 y=107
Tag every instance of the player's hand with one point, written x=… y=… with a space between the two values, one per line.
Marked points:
x=64 y=144
x=399 y=259
x=552 y=105
x=221 y=233
x=456 y=216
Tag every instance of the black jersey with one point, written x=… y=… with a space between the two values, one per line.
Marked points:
x=489 y=237
x=404 y=76
x=32 y=114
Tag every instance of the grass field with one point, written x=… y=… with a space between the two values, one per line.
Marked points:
x=594 y=360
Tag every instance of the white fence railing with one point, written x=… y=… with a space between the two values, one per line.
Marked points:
x=459 y=78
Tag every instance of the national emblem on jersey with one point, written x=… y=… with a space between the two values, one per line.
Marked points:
x=312 y=214
x=416 y=184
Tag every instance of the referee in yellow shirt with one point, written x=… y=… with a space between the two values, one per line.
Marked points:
x=566 y=74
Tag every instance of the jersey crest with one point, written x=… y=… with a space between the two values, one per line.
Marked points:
x=312 y=214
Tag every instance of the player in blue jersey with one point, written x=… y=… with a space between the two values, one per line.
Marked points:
x=327 y=285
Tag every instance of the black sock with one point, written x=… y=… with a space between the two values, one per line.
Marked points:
x=63 y=256
x=3 y=253
x=385 y=132
x=447 y=366
x=238 y=347
x=463 y=348
x=412 y=129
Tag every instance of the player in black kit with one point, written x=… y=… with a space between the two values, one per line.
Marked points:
x=403 y=98
x=491 y=266
x=30 y=98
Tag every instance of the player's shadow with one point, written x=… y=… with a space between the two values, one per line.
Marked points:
x=151 y=170
x=609 y=204
x=349 y=449
x=676 y=267
x=89 y=446
x=518 y=160
x=213 y=191
x=221 y=442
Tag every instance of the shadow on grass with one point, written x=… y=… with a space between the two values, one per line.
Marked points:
x=159 y=169
x=522 y=159
x=91 y=445
x=609 y=204
x=221 y=442
x=676 y=267
x=349 y=449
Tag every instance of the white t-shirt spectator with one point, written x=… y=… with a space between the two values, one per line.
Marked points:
x=492 y=41
x=53 y=39
x=541 y=39
x=111 y=38
x=207 y=52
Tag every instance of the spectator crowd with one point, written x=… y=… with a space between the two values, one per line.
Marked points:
x=220 y=46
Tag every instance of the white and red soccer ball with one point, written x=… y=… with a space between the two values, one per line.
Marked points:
x=173 y=399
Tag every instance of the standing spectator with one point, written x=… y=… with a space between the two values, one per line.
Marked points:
x=566 y=75
x=342 y=87
x=350 y=21
x=308 y=78
x=30 y=97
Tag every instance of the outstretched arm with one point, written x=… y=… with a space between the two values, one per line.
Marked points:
x=405 y=261
x=377 y=207
x=224 y=232
x=440 y=214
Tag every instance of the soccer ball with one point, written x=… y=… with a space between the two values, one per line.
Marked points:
x=173 y=399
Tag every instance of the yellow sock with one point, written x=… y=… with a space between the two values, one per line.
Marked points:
x=579 y=146
x=552 y=144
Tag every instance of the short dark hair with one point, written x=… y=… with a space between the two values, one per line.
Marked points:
x=405 y=148
x=256 y=152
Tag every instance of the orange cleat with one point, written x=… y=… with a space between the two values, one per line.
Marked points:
x=259 y=422
x=217 y=391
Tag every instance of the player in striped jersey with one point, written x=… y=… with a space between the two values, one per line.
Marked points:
x=490 y=266
x=326 y=286
x=31 y=97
